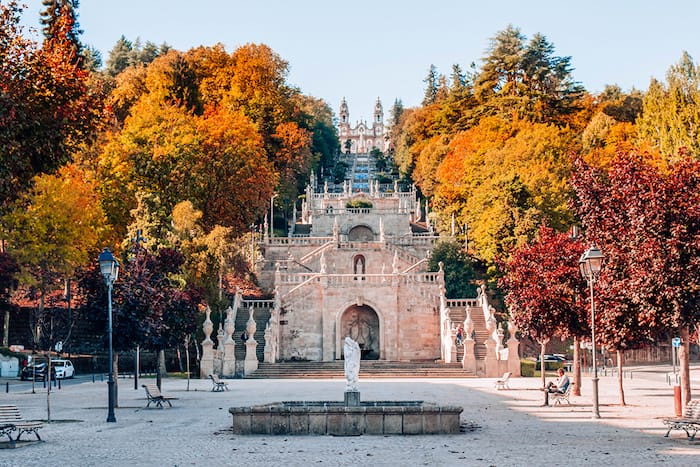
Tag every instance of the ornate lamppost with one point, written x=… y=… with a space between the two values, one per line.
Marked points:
x=109 y=267
x=590 y=265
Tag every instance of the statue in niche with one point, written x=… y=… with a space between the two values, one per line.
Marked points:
x=351 y=351
x=360 y=331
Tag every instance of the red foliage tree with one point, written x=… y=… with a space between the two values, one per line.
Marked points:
x=49 y=108
x=542 y=283
x=646 y=220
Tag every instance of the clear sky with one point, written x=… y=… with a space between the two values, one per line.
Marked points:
x=365 y=49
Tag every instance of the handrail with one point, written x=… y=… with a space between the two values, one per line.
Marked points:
x=308 y=256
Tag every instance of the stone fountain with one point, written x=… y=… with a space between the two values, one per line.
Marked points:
x=350 y=417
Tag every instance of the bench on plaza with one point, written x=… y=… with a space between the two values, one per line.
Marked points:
x=559 y=397
x=154 y=396
x=217 y=384
x=11 y=421
x=689 y=422
x=503 y=382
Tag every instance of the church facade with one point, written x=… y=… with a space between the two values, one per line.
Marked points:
x=362 y=137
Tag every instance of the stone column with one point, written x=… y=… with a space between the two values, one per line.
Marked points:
x=469 y=357
x=206 y=365
x=513 y=350
x=228 y=367
x=251 y=357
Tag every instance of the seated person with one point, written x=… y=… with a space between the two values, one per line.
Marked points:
x=559 y=386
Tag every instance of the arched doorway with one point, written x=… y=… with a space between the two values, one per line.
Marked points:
x=361 y=323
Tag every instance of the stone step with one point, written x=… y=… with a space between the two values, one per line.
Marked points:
x=368 y=369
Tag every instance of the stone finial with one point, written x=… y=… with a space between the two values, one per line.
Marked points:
x=512 y=329
x=229 y=325
x=208 y=327
x=468 y=325
x=220 y=337
x=395 y=263
x=251 y=326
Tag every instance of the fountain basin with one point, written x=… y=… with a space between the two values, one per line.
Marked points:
x=335 y=418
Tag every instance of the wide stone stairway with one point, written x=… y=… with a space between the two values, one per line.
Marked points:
x=368 y=369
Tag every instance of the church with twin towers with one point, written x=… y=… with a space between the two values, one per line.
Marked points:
x=354 y=262
x=362 y=137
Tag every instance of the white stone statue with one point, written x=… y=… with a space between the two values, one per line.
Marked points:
x=351 y=352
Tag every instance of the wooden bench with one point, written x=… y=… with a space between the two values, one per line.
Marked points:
x=217 y=384
x=690 y=421
x=11 y=421
x=155 y=397
x=503 y=382
x=558 y=397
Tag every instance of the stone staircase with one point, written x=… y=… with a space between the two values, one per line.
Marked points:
x=458 y=314
x=368 y=369
x=261 y=315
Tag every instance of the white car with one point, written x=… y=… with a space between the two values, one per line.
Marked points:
x=63 y=368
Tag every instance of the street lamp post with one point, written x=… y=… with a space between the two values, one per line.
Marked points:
x=590 y=265
x=272 y=215
x=110 y=270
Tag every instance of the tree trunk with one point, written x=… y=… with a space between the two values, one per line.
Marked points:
x=179 y=359
x=620 y=356
x=542 y=366
x=684 y=361
x=577 y=367
x=161 y=368
x=187 y=361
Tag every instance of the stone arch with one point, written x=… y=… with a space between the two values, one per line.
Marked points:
x=360 y=233
x=362 y=324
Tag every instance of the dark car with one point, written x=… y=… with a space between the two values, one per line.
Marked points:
x=550 y=361
x=36 y=371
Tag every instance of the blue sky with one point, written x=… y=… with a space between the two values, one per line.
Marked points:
x=384 y=48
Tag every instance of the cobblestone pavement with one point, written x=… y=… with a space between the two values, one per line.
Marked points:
x=500 y=428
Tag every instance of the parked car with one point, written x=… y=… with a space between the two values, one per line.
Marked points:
x=550 y=360
x=63 y=368
x=37 y=371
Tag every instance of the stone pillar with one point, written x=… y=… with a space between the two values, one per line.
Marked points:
x=469 y=357
x=251 y=357
x=228 y=366
x=513 y=350
x=490 y=361
x=206 y=365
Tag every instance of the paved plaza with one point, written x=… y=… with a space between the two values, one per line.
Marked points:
x=500 y=428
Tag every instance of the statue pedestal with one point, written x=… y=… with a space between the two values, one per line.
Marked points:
x=206 y=365
x=469 y=357
x=251 y=358
x=352 y=398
